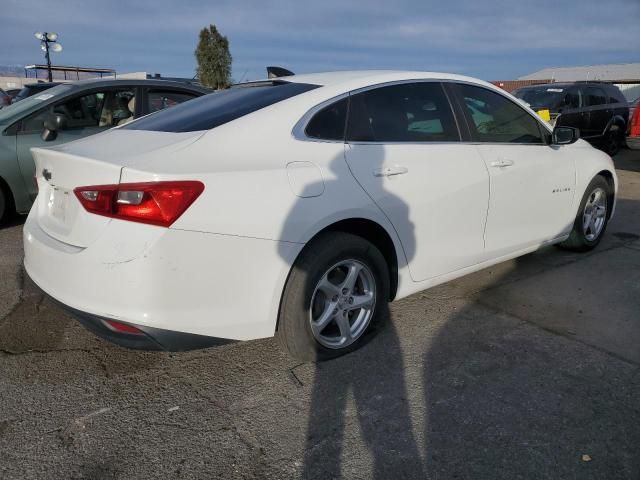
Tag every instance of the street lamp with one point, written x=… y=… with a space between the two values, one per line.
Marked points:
x=47 y=38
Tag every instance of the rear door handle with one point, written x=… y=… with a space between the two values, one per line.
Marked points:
x=390 y=171
x=502 y=162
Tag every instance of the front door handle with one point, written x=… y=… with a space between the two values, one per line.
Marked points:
x=390 y=171
x=501 y=163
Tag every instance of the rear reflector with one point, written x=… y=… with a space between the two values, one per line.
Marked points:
x=122 y=327
x=155 y=203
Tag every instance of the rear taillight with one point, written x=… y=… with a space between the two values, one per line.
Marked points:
x=156 y=203
x=634 y=130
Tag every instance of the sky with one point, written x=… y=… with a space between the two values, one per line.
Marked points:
x=487 y=39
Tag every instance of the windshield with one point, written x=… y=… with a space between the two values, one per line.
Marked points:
x=552 y=98
x=26 y=104
x=215 y=109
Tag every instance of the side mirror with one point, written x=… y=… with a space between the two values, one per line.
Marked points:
x=53 y=123
x=564 y=135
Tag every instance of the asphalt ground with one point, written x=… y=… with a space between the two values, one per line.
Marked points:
x=529 y=369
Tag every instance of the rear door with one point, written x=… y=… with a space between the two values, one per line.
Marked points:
x=403 y=147
x=532 y=183
x=87 y=113
x=599 y=111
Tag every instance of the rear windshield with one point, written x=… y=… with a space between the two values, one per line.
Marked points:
x=218 y=108
x=552 y=98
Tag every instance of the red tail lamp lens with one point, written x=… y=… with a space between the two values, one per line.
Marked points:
x=122 y=327
x=155 y=203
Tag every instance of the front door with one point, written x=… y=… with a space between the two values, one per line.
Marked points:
x=403 y=147
x=532 y=183
x=86 y=114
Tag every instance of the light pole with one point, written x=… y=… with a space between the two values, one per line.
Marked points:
x=45 y=39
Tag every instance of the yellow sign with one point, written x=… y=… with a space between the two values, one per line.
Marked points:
x=545 y=115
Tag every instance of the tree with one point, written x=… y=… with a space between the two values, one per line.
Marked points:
x=214 y=59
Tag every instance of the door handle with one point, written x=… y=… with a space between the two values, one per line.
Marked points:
x=501 y=163
x=390 y=171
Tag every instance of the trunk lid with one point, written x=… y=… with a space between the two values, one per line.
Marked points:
x=58 y=211
x=97 y=160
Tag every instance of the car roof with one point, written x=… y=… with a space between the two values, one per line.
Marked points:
x=100 y=82
x=363 y=78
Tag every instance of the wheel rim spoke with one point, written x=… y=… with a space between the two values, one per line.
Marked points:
x=327 y=316
x=352 y=276
x=345 y=327
x=327 y=287
x=361 y=301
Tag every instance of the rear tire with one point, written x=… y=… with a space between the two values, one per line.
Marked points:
x=592 y=217
x=336 y=293
x=613 y=140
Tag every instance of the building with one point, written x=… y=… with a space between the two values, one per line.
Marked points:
x=626 y=76
x=18 y=76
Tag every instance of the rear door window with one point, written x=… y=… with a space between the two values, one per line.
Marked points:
x=218 y=108
x=595 y=96
x=407 y=112
x=161 y=99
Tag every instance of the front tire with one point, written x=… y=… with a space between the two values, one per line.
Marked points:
x=337 y=291
x=592 y=218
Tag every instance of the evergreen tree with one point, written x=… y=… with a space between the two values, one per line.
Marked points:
x=214 y=59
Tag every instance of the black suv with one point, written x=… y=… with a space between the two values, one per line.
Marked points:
x=599 y=110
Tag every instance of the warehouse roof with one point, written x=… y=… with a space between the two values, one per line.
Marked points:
x=612 y=72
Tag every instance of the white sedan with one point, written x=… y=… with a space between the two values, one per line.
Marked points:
x=300 y=206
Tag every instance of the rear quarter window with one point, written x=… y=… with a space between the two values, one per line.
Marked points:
x=329 y=123
x=218 y=108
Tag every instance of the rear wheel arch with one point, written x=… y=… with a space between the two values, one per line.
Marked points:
x=376 y=234
x=373 y=232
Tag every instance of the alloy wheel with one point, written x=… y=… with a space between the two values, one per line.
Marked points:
x=595 y=214
x=342 y=304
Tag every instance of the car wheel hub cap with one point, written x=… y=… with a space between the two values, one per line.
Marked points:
x=342 y=304
x=595 y=214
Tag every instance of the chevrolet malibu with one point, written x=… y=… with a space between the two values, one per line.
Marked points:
x=300 y=206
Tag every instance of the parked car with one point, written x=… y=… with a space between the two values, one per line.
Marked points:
x=301 y=206
x=633 y=132
x=67 y=112
x=13 y=92
x=31 y=89
x=5 y=98
x=599 y=110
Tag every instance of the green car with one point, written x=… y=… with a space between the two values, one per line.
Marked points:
x=68 y=112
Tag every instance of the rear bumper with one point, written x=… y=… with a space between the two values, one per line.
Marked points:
x=149 y=339
x=164 y=280
x=633 y=143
